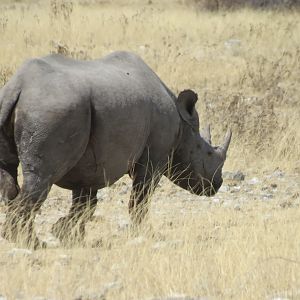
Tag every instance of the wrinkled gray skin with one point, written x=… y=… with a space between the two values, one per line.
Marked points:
x=84 y=124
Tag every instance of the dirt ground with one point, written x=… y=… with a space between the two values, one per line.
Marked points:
x=242 y=243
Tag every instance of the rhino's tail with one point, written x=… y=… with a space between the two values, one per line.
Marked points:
x=9 y=96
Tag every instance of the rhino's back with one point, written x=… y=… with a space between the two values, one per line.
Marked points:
x=129 y=102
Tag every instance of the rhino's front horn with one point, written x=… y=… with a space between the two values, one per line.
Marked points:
x=226 y=143
x=205 y=133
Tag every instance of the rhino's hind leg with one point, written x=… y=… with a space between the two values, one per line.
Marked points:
x=18 y=225
x=70 y=229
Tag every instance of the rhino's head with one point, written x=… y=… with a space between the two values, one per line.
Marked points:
x=196 y=164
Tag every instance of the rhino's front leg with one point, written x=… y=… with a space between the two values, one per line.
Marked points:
x=146 y=175
x=71 y=228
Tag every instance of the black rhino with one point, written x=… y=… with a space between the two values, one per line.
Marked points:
x=84 y=124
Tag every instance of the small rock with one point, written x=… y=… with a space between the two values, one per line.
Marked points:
x=267 y=196
x=224 y=188
x=124 y=190
x=112 y=285
x=237 y=188
x=238 y=175
x=254 y=181
x=278 y=174
x=17 y=252
x=216 y=200
x=237 y=207
x=103 y=194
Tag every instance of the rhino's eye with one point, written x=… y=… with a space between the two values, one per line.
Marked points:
x=209 y=153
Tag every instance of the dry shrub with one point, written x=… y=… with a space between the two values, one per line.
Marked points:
x=244 y=65
x=61 y=9
x=78 y=52
x=5 y=74
x=264 y=121
x=265 y=134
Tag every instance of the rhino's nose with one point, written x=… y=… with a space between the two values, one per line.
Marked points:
x=217 y=184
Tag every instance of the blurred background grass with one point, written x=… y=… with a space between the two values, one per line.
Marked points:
x=244 y=63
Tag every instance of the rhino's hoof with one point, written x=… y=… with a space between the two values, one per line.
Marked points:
x=68 y=233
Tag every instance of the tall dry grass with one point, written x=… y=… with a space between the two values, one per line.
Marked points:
x=245 y=67
x=214 y=253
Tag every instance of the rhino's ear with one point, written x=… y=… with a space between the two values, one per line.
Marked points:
x=186 y=107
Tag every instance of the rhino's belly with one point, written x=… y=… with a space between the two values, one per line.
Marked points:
x=117 y=140
x=102 y=166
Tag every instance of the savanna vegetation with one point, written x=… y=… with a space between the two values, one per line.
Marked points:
x=244 y=63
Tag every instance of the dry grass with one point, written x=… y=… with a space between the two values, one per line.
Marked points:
x=185 y=248
x=245 y=67
x=244 y=64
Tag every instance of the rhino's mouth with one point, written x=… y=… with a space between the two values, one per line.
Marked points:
x=213 y=188
x=205 y=187
x=209 y=186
